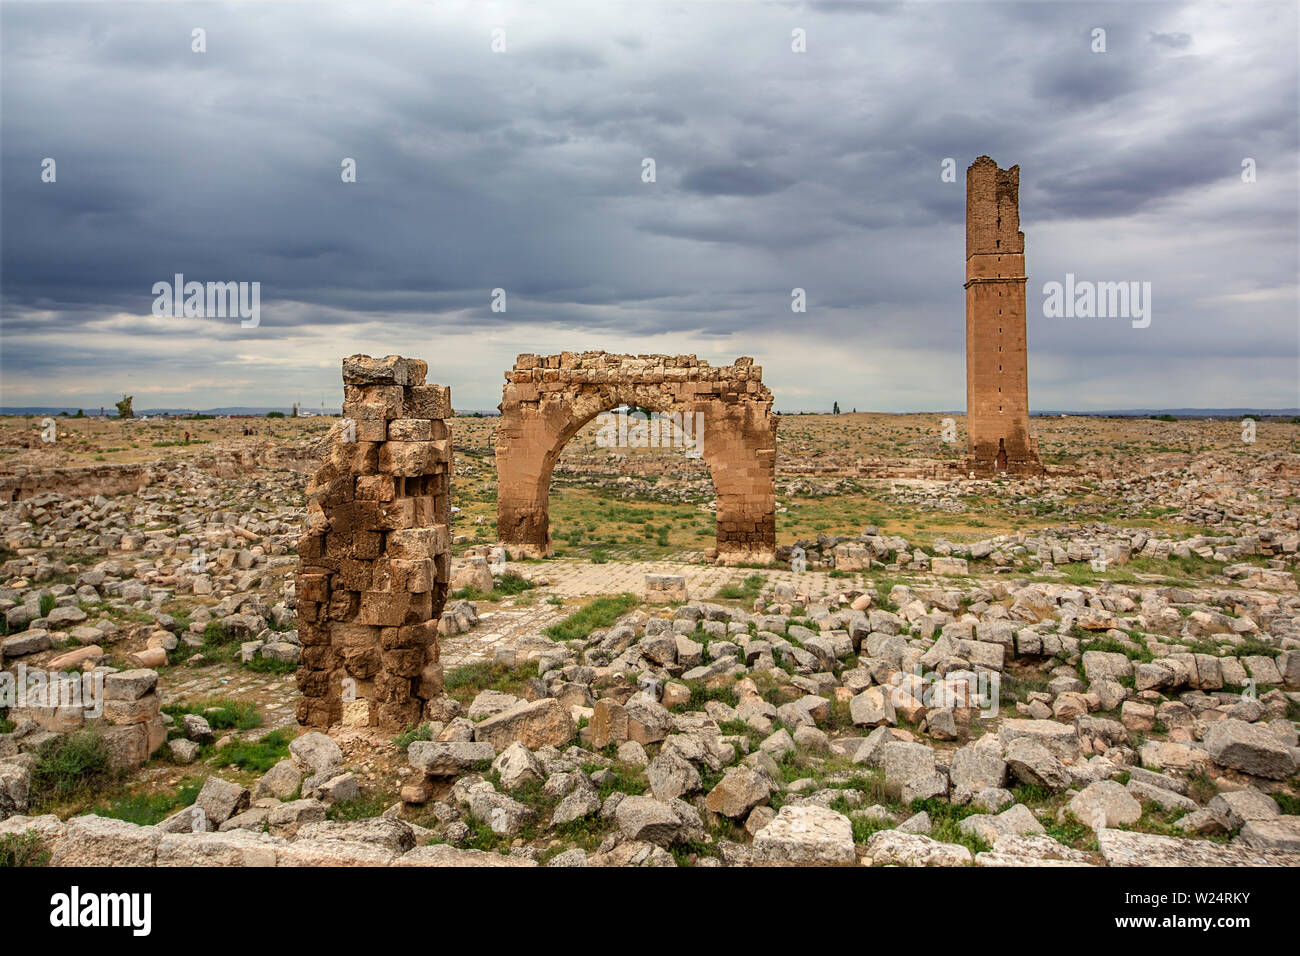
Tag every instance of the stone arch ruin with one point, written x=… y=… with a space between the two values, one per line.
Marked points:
x=548 y=399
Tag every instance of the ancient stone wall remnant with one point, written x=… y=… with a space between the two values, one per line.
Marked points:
x=374 y=562
x=548 y=398
x=997 y=378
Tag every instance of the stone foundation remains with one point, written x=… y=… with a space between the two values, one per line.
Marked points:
x=374 y=563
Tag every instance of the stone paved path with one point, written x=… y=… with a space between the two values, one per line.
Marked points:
x=501 y=625
x=275 y=694
x=570 y=579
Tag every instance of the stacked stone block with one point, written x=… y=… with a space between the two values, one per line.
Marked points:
x=374 y=563
x=122 y=707
x=665 y=589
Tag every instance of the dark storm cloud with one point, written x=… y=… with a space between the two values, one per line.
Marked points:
x=732 y=180
x=523 y=171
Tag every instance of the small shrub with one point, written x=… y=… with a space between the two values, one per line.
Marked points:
x=217 y=633
x=23 y=849
x=512 y=583
x=411 y=734
x=70 y=766
x=702 y=694
x=1288 y=804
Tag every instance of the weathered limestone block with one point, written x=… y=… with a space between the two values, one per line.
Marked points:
x=665 y=588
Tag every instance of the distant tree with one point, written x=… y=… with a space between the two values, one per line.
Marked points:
x=80 y=414
x=835 y=410
x=275 y=414
x=124 y=407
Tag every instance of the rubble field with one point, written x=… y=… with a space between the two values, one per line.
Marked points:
x=1095 y=667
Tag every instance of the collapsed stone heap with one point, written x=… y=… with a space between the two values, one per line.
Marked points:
x=62 y=702
x=374 y=562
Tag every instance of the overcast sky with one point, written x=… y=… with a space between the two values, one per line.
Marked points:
x=522 y=170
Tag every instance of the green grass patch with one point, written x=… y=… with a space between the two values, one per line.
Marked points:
x=258 y=756
x=601 y=612
x=623 y=778
x=507 y=585
x=265 y=665
x=945 y=819
x=146 y=809
x=1110 y=645
x=362 y=808
x=747 y=590
x=1073 y=834
x=220 y=713
x=464 y=683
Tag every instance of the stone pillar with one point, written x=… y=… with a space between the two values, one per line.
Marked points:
x=374 y=563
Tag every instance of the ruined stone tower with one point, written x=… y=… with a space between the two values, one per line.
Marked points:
x=374 y=561
x=997 y=388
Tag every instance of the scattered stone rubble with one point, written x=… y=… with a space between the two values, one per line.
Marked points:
x=1104 y=547
x=795 y=732
x=895 y=694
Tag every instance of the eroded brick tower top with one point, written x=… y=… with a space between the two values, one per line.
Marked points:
x=997 y=389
